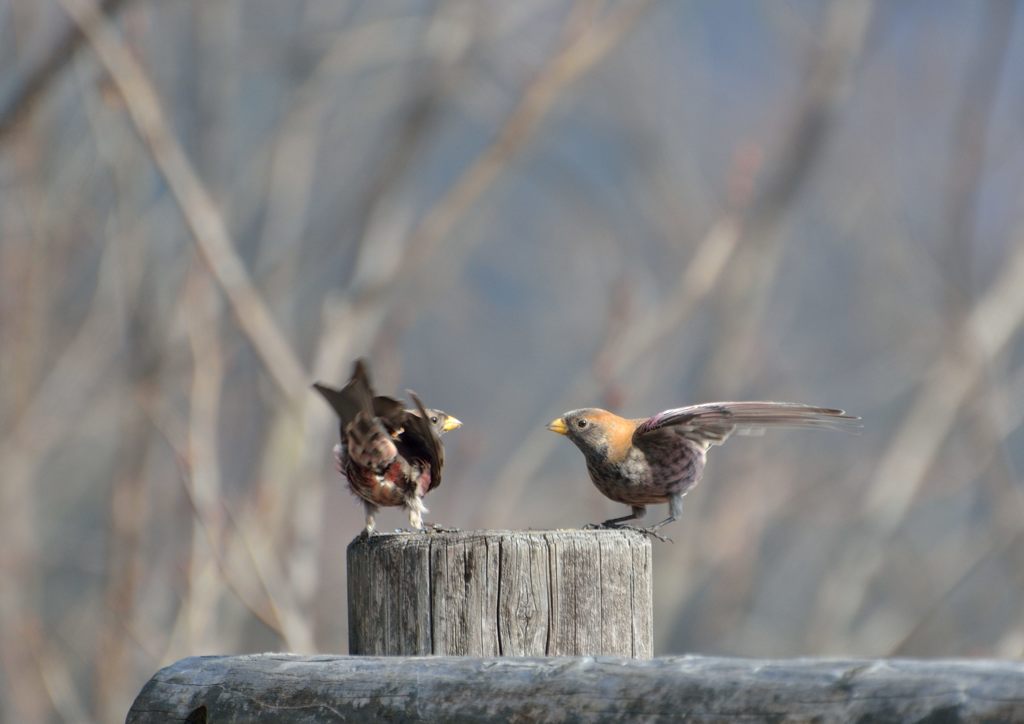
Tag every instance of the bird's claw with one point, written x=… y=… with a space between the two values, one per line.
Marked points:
x=650 y=532
x=655 y=534
x=436 y=528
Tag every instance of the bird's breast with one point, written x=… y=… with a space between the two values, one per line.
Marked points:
x=661 y=466
x=624 y=480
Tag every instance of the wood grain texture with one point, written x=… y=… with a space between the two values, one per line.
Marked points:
x=524 y=611
x=286 y=688
x=501 y=593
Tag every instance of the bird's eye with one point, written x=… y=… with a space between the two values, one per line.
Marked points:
x=433 y=419
x=581 y=423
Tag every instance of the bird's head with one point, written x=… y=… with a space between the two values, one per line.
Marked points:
x=596 y=432
x=441 y=421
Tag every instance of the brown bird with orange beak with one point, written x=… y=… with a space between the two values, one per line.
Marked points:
x=660 y=459
x=391 y=456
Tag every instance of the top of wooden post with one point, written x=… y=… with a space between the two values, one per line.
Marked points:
x=501 y=593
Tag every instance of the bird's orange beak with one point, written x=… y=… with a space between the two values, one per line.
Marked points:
x=558 y=425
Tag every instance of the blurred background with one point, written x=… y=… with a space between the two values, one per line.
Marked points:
x=514 y=209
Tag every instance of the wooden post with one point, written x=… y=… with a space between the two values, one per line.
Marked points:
x=501 y=593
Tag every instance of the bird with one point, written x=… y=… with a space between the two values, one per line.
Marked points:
x=391 y=456
x=659 y=459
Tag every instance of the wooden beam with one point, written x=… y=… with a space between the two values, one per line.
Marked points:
x=501 y=593
x=287 y=688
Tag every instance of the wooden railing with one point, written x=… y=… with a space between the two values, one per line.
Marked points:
x=547 y=626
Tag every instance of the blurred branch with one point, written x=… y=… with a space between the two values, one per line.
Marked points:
x=361 y=49
x=272 y=619
x=29 y=88
x=948 y=385
x=200 y=601
x=212 y=514
x=201 y=214
x=1000 y=548
x=57 y=679
x=208 y=510
x=577 y=58
x=968 y=146
x=57 y=404
x=745 y=288
x=955 y=377
x=127 y=503
x=1004 y=541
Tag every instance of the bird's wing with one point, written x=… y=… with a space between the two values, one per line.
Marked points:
x=391 y=411
x=342 y=404
x=366 y=423
x=712 y=423
x=421 y=440
x=357 y=396
x=354 y=397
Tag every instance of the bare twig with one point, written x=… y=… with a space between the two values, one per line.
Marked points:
x=274 y=618
x=1003 y=541
x=271 y=619
x=970 y=146
x=69 y=386
x=32 y=86
x=57 y=680
x=201 y=214
x=569 y=65
x=948 y=385
x=999 y=549
x=204 y=413
x=750 y=280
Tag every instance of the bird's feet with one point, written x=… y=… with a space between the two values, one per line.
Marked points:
x=427 y=528
x=436 y=528
x=649 y=532
x=653 y=533
x=609 y=525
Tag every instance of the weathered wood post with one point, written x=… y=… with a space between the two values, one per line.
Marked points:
x=501 y=593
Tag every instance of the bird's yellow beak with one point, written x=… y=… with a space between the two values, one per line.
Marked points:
x=558 y=425
x=452 y=423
